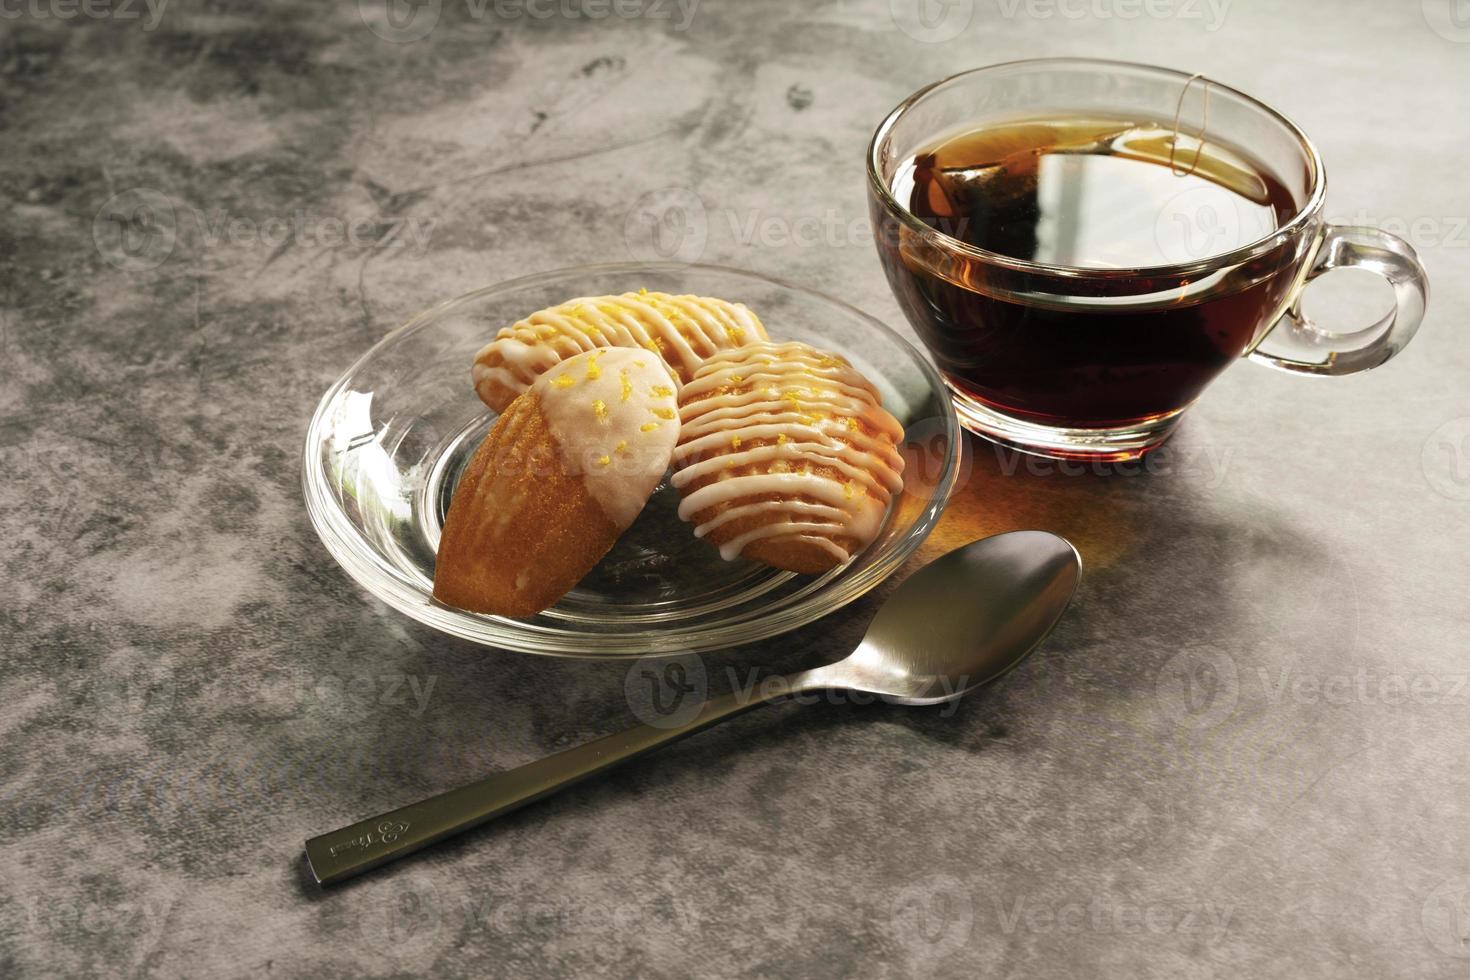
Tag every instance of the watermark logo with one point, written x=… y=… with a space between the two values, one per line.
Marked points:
x=361 y=694
x=830 y=229
x=1198 y=223
x=926 y=449
x=1105 y=915
x=139 y=229
x=91 y=920
x=400 y=21
x=1423 y=231
x=136 y=230
x=401 y=917
x=1200 y=463
x=1198 y=688
x=667 y=225
x=1445 y=917
x=939 y=914
x=666 y=692
x=1450 y=19
x=1445 y=459
x=1364 y=686
x=128 y=690
x=149 y=11
x=404 y=21
x=932 y=21
x=1209 y=13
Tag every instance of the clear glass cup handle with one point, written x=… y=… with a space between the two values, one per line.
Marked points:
x=1297 y=344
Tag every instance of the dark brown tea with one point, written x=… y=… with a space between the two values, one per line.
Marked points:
x=1075 y=350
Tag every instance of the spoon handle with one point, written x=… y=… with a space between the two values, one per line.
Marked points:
x=350 y=851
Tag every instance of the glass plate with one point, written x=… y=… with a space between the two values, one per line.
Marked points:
x=391 y=437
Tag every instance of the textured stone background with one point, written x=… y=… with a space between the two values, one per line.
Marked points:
x=1243 y=753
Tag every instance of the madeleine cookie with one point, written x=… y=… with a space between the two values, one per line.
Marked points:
x=564 y=471
x=681 y=330
x=785 y=456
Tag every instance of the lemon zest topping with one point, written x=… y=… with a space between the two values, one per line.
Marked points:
x=600 y=410
x=563 y=381
x=627 y=385
x=648 y=427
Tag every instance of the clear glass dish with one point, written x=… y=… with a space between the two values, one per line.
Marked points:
x=390 y=438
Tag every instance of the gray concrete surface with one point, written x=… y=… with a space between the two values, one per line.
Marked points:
x=1243 y=753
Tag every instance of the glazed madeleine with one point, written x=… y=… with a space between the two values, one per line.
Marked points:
x=682 y=330
x=785 y=456
x=565 y=470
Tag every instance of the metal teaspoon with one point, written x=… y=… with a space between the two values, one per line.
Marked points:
x=961 y=621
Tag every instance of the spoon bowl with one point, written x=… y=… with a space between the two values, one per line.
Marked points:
x=963 y=620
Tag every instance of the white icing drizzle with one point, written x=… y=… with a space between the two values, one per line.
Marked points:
x=682 y=330
x=613 y=413
x=757 y=422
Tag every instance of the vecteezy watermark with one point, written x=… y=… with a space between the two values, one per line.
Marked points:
x=402 y=21
x=1450 y=19
x=932 y=21
x=667 y=225
x=674 y=224
x=530 y=915
x=830 y=229
x=1445 y=459
x=307 y=229
x=1108 y=915
x=938 y=914
x=1198 y=688
x=1210 y=13
x=400 y=917
x=1201 y=461
x=410 y=918
x=138 y=230
x=1365 y=686
x=1422 y=231
x=1445 y=917
x=131 y=687
x=407 y=693
x=1205 y=220
x=670 y=691
x=927 y=448
x=941 y=914
x=666 y=692
x=150 y=12
x=90 y=920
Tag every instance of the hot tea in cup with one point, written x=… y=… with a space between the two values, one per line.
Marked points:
x=1084 y=246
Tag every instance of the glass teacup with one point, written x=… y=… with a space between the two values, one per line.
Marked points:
x=1077 y=338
